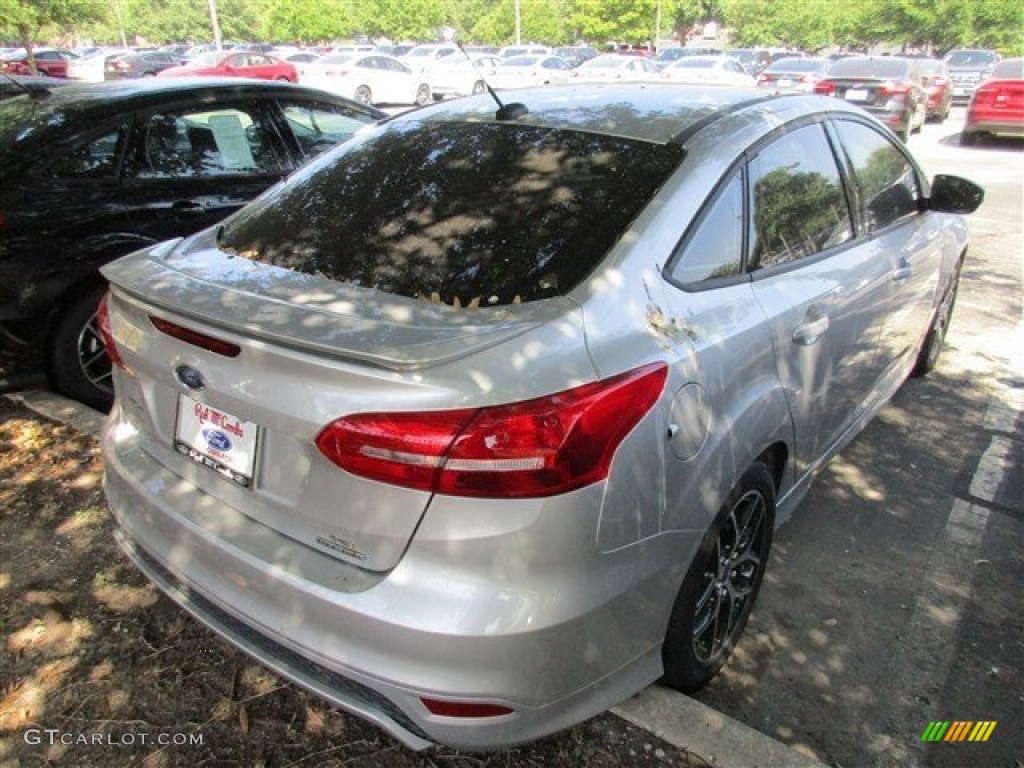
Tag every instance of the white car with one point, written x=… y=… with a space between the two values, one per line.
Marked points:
x=422 y=57
x=301 y=61
x=708 y=70
x=371 y=78
x=527 y=71
x=461 y=76
x=511 y=51
x=90 y=67
x=611 y=67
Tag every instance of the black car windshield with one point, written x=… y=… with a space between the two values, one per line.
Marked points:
x=469 y=214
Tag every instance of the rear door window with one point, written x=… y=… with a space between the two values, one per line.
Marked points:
x=798 y=207
x=463 y=213
x=203 y=142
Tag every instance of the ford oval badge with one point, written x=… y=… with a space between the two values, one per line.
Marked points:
x=190 y=377
x=217 y=440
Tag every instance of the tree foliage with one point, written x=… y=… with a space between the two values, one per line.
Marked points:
x=807 y=24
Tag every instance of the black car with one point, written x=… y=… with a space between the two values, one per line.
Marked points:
x=889 y=87
x=89 y=173
x=131 y=65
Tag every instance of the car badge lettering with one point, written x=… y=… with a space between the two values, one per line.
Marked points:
x=190 y=377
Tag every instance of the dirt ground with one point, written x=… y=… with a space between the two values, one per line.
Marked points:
x=97 y=668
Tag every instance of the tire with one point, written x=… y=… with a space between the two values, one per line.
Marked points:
x=423 y=96
x=721 y=585
x=76 y=359
x=479 y=87
x=363 y=95
x=935 y=339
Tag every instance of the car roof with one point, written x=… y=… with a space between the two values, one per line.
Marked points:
x=657 y=113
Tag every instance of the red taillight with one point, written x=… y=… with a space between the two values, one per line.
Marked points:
x=825 y=88
x=534 y=448
x=764 y=78
x=209 y=343
x=103 y=325
x=464 y=708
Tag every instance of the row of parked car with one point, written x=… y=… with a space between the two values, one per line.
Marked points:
x=185 y=168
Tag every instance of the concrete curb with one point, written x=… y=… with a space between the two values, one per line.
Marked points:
x=666 y=714
x=706 y=733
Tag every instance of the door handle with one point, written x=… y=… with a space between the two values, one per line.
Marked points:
x=808 y=333
x=185 y=208
x=903 y=271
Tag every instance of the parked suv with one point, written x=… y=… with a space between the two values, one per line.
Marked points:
x=968 y=67
x=94 y=171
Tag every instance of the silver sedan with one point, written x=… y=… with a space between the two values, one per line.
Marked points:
x=482 y=422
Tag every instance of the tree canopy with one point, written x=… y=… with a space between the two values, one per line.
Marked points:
x=807 y=24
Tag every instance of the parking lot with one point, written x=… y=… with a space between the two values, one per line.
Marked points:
x=892 y=597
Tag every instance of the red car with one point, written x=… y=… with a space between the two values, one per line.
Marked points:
x=938 y=84
x=235 y=64
x=52 y=62
x=997 y=106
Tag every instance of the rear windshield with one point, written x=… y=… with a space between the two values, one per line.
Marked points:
x=970 y=58
x=469 y=214
x=1010 y=69
x=798 y=65
x=864 y=67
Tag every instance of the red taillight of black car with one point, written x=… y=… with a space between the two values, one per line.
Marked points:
x=530 y=449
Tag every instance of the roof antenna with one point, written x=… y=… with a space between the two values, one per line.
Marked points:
x=512 y=111
x=32 y=90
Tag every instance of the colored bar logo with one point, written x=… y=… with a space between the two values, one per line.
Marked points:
x=958 y=730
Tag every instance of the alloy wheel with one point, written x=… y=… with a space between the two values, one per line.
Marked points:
x=730 y=577
x=93 y=358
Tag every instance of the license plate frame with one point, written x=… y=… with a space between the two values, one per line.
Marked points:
x=217 y=439
x=857 y=95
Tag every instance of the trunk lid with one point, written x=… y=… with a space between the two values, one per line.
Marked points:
x=310 y=350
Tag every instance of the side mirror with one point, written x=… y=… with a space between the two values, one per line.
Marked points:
x=954 y=194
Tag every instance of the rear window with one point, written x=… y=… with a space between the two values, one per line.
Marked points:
x=468 y=214
x=970 y=58
x=864 y=67
x=1010 y=69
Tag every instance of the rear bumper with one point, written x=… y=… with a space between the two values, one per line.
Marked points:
x=998 y=125
x=376 y=644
